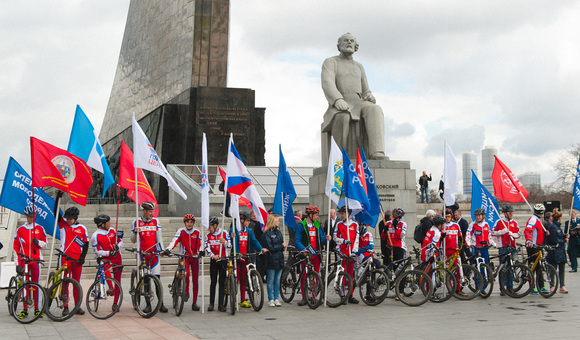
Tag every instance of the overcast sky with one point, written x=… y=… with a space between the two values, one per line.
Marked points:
x=476 y=73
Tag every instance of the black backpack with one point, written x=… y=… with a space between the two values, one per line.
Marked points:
x=418 y=234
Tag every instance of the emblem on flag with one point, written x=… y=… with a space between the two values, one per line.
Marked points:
x=66 y=166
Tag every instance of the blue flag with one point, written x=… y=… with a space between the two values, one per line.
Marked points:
x=577 y=187
x=285 y=194
x=16 y=195
x=481 y=198
x=85 y=144
x=353 y=193
x=370 y=217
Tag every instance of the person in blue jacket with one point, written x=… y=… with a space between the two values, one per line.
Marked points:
x=273 y=240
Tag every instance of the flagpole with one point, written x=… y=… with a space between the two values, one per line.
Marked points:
x=56 y=216
x=202 y=270
x=327 y=253
x=137 y=219
x=117 y=218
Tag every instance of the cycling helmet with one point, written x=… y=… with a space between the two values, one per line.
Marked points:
x=28 y=211
x=362 y=229
x=213 y=220
x=312 y=209
x=343 y=209
x=448 y=212
x=507 y=208
x=101 y=220
x=539 y=208
x=188 y=217
x=438 y=220
x=479 y=212
x=72 y=212
x=147 y=205
x=398 y=212
x=244 y=216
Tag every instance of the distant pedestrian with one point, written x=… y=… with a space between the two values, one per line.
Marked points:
x=571 y=230
x=557 y=256
x=424 y=186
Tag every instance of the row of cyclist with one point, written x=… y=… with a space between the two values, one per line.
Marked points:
x=440 y=274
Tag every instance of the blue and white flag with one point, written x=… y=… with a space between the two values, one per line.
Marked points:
x=370 y=217
x=204 y=185
x=481 y=198
x=285 y=194
x=353 y=193
x=84 y=143
x=577 y=187
x=334 y=174
x=16 y=195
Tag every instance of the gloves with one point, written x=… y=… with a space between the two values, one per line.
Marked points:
x=166 y=252
x=529 y=243
x=347 y=243
x=81 y=260
x=202 y=253
x=113 y=252
x=443 y=235
x=35 y=241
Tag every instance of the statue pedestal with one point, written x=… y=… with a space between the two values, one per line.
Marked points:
x=395 y=182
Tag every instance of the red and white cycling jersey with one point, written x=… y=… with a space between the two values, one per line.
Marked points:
x=344 y=233
x=534 y=231
x=452 y=238
x=506 y=232
x=72 y=239
x=149 y=234
x=397 y=234
x=213 y=245
x=478 y=235
x=431 y=239
x=23 y=241
x=189 y=241
x=103 y=241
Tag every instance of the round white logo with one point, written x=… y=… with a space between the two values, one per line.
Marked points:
x=66 y=166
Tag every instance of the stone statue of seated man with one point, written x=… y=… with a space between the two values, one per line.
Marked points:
x=353 y=118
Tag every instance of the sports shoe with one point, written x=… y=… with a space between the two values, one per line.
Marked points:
x=302 y=302
x=278 y=304
x=115 y=307
x=194 y=307
x=272 y=303
x=352 y=300
x=80 y=312
x=460 y=293
x=163 y=309
x=221 y=308
x=23 y=314
x=544 y=290
x=245 y=304
x=110 y=292
x=210 y=308
x=64 y=311
x=563 y=290
x=535 y=291
x=186 y=297
x=37 y=311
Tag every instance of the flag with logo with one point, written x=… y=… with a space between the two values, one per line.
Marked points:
x=334 y=174
x=285 y=194
x=353 y=194
x=370 y=217
x=145 y=157
x=16 y=195
x=239 y=183
x=85 y=143
x=481 y=198
x=449 y=176
x=127 y=180
x=359 y=169
x=204 y=185
x=506 y=186
x=55 y=167
x=577 y=187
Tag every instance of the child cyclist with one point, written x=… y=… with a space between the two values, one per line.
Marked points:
x=189 y=240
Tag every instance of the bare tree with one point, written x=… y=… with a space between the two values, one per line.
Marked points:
x=565 y=169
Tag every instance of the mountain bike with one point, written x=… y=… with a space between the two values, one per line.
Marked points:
x=546 y=276
x=23 y=293
x=339 y=284
x=254 y=283
x=410 y=284
x=515 y=279
x=231 y=282
x=58 y=291
x=469 y=279
x=105 y=295
x=177 y=288
x=146 y=290
x=486 y=271
x=371 y=280
x=289 y=283
x=444 y=282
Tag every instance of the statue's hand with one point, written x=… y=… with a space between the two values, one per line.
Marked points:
x=341 y=105
x=369 y=97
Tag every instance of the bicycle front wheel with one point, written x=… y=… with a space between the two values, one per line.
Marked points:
x=12 y=286
x=547 y=280
x=132 y=289
x=444 y=284
x=178 y=292
x=339 y=288
x=104 y=298
x=412 y=287
x=148 y=296
x=487 y=274
x=374 y=287
x=516 y=280
x=288 y=284
x=28 y=303
x=255 y=288
x=313 y=289
x=232 y=293
x=60 y=296
x=469 y=282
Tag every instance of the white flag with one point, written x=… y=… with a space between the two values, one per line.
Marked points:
x=334 y=175
x=449 y=176
x=145 y=157
x=204 y=185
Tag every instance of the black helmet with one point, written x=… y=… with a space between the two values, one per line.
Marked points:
x=244 y=216
x=479 y=212
x=101 y=220
x=213 y=220
x=362 y=229
x=507 y=208
x=28 y=211
x=343 y=209
x=72 y=212
x=398 y=212
x=539 y=208
x=438 y=220
x=147 y=205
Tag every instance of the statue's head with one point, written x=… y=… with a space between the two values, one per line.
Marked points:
x=347 y=43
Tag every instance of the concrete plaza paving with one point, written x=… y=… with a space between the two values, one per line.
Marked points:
x=532 y=317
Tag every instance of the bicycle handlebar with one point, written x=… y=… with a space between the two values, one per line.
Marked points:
x=29 y=259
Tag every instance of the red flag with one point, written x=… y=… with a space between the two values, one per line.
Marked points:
x=360 y=171
x=127 y=179
x=241 y=200
x=506 y=185
x=55 y=167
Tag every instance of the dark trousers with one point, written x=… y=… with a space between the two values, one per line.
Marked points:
x=573 y=252
x=216 y=268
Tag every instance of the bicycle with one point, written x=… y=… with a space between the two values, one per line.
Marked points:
x=469 y=279
x=486 y=271
x=146 y=290
x=513 y=276
x=289 y=284
x=105 y=295
x=410 y=284
x=231 y=282
x=254 y=283
x=177 y=288
x=57 y=308
x=23 y=293
x=444 y=281
x=546 y=276
x=339 y=285
x=372 y=281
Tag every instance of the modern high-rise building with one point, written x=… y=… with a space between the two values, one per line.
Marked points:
x=487 y=163
x=469 y=162
x=531 y=180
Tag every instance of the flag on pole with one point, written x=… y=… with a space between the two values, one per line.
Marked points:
x=16 y=195
x=359 y=170
x=145 y=157
x=577 y=187
x=241 y=200
x=353 y=194
x=127 y=179
x=449 y=176
x=335 y=174
x=85 y=143
x=235 y=211
x=239 y=183
x=374 y=211
x=481 y=198
x=204 y=185
x=285 y=194
x=506 y=185
x=55 y=167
